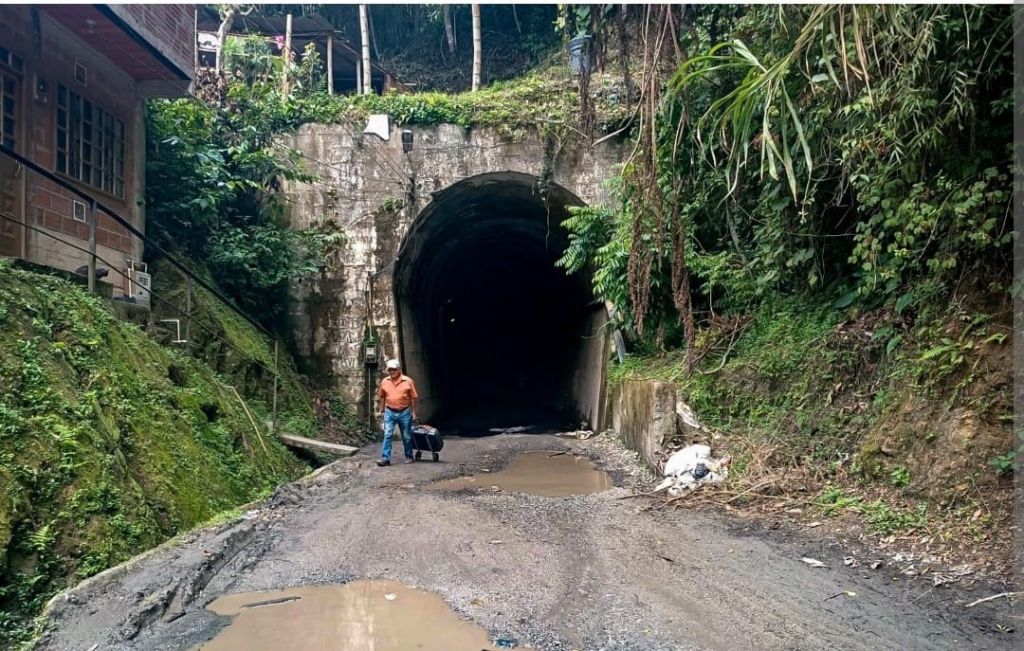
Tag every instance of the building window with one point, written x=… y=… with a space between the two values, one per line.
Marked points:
x=90 y=143
x=8 y=110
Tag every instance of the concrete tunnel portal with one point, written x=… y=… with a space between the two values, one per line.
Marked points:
x=494 y=333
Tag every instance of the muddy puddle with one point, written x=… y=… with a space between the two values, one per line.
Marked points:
x=358 y=616
x=546 y=472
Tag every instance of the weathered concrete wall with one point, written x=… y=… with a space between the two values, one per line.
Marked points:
x=374 y=192
x=643 y=413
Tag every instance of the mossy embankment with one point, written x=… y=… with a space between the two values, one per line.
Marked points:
x=111 y=443
x=900 y=422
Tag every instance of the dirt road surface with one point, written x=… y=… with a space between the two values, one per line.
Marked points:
x=587 y=572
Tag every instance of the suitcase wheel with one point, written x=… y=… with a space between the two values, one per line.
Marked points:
x=437 y=457
x=420 y=454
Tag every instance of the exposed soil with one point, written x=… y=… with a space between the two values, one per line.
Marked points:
x=589 y=571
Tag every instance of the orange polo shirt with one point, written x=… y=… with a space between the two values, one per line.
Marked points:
x=398 y=394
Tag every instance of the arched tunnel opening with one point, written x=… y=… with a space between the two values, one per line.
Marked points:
x=495 y=335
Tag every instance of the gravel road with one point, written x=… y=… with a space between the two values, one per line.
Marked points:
x=588 y=572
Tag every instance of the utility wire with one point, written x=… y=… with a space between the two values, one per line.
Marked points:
x=134 y=231
x=112 y=267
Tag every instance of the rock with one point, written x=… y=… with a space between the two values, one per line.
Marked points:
x=686 y=421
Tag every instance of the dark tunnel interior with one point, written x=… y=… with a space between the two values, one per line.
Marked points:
x=494 y=330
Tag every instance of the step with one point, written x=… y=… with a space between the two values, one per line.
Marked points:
x=318 y=446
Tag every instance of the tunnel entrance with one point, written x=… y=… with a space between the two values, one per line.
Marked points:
x=494 y=334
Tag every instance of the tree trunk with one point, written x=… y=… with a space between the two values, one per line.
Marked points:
x=449 y=31
x=477 y=48
x=287 y=54
x=330 y=63
x=373 y=33
x=222 y=32
x=364 y=32
x=515 y=16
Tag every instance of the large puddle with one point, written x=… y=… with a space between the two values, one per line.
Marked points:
x=547 y=473
x=357 y=616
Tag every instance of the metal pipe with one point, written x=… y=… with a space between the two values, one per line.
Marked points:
x=92 y=247
x=277 y=374
x=31 y=165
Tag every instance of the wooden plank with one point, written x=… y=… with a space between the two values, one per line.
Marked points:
x=318 y=446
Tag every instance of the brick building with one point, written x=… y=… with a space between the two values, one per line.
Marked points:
x=73 y=79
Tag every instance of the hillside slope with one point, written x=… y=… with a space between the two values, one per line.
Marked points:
x=111 y=443
x=896 y=424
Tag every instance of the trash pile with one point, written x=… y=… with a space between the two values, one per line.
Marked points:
x=691 y=467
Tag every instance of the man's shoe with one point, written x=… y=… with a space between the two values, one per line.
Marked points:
x=410 y=460
x=383 y=462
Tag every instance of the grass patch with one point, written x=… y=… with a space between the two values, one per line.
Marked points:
x=880 y=516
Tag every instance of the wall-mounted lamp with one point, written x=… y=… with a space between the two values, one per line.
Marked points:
x=370 y=353
x=406 y=141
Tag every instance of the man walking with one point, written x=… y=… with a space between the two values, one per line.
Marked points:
x=397 y=396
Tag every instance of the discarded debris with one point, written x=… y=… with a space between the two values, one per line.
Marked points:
x=844 y=592
x=272 y=602
x=686 y=420
x=391 y=596
x=691 y=467
x=813 y=562
x=811 y=525
x=1008 y=595
x=952 y=576
x=582 y=434
x=850 y=561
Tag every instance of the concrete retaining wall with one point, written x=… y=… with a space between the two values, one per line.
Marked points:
x=643 y=413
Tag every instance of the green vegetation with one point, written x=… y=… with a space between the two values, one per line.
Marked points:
x=811 y=238
x=881 y=517
x=785 y=160
x=1003 y=464
x=111 y=443
x=215 y=164
x=544 y=99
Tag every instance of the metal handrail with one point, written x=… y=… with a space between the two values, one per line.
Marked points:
x=96 y=204
x=113 y=268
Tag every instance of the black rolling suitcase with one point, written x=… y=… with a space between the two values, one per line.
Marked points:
x=427 y=439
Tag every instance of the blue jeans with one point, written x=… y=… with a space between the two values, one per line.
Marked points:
x=404 y=420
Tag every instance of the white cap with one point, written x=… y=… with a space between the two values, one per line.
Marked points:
x=393 y=363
